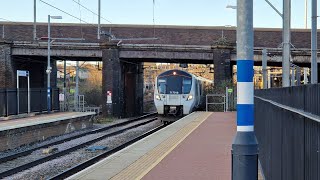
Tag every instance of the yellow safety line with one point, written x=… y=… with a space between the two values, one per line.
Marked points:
x=134 y=170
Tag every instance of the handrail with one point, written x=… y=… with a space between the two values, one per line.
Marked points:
x=294 y=110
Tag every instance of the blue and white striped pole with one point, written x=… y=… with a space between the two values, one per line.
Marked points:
x=245 y=146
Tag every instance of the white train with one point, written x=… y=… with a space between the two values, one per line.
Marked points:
x=178 y=92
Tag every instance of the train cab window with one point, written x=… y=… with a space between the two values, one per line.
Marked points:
x=162 y=86
x=186 y=85
x=174 y=82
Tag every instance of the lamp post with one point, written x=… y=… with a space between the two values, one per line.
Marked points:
x=48 y=71
x=245 y=145
x=314 y=64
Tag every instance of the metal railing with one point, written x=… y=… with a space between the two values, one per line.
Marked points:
x=38 y=101
x=81 y=103
x=219 y=102
x=287 y=126
x=97 y=110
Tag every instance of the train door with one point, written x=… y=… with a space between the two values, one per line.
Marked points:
x=198 y=96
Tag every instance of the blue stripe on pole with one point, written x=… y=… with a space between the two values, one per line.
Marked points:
x=245 y=70
x=245 y=114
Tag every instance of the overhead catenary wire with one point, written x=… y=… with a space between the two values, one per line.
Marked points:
x=91 y=11
x=66 y=13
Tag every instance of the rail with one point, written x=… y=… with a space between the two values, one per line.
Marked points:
x=294 y=110
x=41 y=160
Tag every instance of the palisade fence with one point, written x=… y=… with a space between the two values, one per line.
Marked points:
x=38 y=100
x=287 y=126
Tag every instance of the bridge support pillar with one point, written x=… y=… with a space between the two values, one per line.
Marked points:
x=133 y=88
x=122 y=85
x=111 y=83
x=139 y=90
x=7 y=78
x=222 y=66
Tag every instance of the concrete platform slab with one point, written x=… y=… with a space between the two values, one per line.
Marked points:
x=18 y=132
x=136 y=160
x=195 y=147
x=205 y=154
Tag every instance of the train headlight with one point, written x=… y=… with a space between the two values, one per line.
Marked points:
x=158 y=97
x=189 y=97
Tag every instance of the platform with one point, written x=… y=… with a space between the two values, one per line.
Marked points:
x=17 y=132
x=197 y=146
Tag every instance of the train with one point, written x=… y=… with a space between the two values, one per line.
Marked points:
x=179 y=93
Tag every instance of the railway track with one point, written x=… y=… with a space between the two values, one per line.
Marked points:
x=136 y=121
x=95 y=159
x=29 y=151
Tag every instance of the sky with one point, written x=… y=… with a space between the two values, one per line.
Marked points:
x=166 y=12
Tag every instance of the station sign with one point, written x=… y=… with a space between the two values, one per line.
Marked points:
x=61 y=97
x=109 y=97
x=22 y=73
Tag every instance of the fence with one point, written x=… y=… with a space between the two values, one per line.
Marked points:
x=287 y=126
x=216 y=99
x=38 y=100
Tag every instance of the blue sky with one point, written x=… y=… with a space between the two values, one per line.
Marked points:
x=167 y=12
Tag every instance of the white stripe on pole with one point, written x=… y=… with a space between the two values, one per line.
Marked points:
x=245 y=92
x=245 y=128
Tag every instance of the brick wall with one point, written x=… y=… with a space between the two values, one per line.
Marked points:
x=182 y=35
x=222 y=66
x=7 y=72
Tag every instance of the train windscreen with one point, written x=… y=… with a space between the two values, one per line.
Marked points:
x=174 y=82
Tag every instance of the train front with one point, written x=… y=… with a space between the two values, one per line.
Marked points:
x=173 y=93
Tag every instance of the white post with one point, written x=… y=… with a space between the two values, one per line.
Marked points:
x=99 y=16
x=17 y=92
x=286 y=43
x=48 y=71
x=76 y=94
x=227 y=99
x=264 y=68
x=292 y=76
x=269 y=79
x=3 y=31
x=314 y=45
x=34 y=20
x=306 y=14
x=305 y=75
x=28 y=76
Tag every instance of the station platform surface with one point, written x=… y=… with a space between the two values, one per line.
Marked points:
x=40 y=119
x=197 y=146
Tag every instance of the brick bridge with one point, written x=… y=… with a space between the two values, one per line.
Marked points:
x=174 y=44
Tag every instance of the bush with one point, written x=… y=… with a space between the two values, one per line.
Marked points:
x=93 y=97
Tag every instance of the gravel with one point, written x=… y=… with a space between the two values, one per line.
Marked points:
x=58 y=165
x=49 y=140
x=56 y=138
